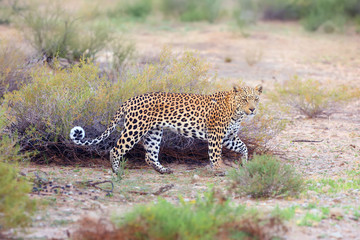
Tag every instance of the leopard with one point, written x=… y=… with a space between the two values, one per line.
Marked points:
x=215 y=118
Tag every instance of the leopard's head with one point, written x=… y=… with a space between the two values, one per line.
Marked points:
x=247 y=99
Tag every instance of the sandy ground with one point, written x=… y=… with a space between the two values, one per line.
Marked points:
x=284 y=50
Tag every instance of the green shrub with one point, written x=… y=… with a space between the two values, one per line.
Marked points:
x=56 y=33
x=207 y=10
x=197 y=219
x=265 y=176
x=330 y=15
x=15 y=206
x=310 y=97
x=173 y=8
x=43 y=115
x=322 y=11
x=191 y=11
x=207 y=217
x=10 y=9
x=139 y=8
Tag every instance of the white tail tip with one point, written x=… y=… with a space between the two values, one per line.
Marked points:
x=77 y=133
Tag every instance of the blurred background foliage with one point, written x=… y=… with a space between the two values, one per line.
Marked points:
x=332 y=14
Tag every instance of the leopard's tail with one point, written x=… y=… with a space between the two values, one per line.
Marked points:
x=77 y=133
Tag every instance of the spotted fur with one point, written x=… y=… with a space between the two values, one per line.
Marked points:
x=215 y=118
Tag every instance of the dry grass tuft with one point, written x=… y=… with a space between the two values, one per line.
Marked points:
x=312 y=98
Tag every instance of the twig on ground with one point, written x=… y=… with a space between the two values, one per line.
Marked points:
x=94 y=184
x=306 y=140
x=158 y=192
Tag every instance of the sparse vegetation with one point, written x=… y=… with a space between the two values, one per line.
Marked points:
x=310 y=97
x=56 y=34
x=333 y=186
x=53 y=32
x=265 y=176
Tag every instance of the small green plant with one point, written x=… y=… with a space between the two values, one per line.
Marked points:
x=285 y=214
x=310 y=219
x=15 y=206
x=122 y=170
x=310 y=97
x=313 y=215
x=266 y=176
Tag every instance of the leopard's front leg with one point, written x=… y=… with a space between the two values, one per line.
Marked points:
x=234 y=143
x=215 y=150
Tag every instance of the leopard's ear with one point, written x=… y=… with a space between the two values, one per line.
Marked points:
x=259 y=88
x=237 y=88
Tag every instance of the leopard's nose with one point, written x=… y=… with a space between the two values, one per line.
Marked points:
x=252 y=109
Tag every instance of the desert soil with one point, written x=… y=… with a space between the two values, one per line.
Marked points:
x=284 y=50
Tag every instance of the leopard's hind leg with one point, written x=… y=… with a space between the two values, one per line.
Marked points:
x=152 y=142
x=125 y=143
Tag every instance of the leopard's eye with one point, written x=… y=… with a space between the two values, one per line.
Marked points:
x=257 y=98
x=244 y=99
